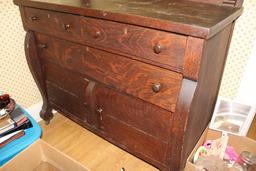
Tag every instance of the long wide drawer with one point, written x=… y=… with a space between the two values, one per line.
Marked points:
x=155 y=85
x=148 y=45
x=162 y=48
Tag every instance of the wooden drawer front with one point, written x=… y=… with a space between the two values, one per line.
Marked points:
x=164 y=49
x=54 y=23
x=135 y=141
x=71 y=81
x=135 y=112
x=67 y=102
x=132 y=77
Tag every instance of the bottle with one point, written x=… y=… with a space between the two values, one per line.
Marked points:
x=245 y=162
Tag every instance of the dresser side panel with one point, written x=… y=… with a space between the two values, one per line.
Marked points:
x=211 y=70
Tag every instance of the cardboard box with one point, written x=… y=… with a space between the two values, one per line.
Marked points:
x=238 y=142
x=40 y=156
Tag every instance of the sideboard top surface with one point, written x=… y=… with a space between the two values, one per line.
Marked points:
x=180 y=16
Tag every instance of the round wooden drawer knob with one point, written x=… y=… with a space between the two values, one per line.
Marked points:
x=97 y=34
x=66 y=26
x=100 y=110
x=157 y=48
x=42 y=46
x=156 y=87
x=33 y=18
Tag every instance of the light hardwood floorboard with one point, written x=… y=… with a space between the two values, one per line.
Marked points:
x=89 y=149
x=252 y=131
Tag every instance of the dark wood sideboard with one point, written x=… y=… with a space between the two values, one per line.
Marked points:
x=143 y=74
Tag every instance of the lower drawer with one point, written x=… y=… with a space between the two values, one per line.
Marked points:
x=134 y=140
x=67 y=102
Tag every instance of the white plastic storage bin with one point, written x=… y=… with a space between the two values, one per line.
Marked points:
x=232 y=117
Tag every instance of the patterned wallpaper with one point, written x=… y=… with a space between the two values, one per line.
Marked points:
x=16 y=79
x=240 y=50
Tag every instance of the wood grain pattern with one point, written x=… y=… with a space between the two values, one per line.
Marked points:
x=88 y=148
x=136 y=42
x=177 y=161
x=53 y=23
x=252 y=131
x=232 y=3
x=34 y=65
x=145 y=89
x=72 y=82
x=210 y=75
x=129 y=146
x=137 y=113
x=176 y=16
x=134 y=140
x=133 y=77
x=67 y=101
x=93 y=117
x=193 y=57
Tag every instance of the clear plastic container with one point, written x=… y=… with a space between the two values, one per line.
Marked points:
x=245 y=162
x=232 y=117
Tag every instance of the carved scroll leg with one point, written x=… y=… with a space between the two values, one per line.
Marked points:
x=35 y=67
x=46 y=113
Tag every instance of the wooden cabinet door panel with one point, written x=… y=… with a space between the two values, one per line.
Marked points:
x=135 y=141
x=135 y=112
x=69 y=80
x=67 y=102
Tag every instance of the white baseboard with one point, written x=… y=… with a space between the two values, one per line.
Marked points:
x=34 y=110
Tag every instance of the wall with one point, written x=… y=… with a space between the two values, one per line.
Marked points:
x=247 y=90
x=240 y=50
x=16 y=79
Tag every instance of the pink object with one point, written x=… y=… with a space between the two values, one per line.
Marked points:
x=208 y=144
x=230 y=154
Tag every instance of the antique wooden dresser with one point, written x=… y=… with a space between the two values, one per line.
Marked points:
x=142 y=74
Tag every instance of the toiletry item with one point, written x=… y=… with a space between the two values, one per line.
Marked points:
x=246 y=160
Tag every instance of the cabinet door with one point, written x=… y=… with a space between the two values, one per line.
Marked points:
x=135 y=125
x=65 y=89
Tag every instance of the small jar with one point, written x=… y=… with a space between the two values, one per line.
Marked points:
x=246 y=160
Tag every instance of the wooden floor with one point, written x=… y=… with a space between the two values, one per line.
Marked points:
x=89 y=149
x=92 y=151
x=252 y=131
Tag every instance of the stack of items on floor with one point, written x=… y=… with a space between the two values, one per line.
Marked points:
x=13 y=121
x=218 y=155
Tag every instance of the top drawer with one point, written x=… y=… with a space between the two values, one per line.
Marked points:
x=153 y=46
x=54 y=23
